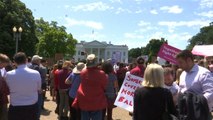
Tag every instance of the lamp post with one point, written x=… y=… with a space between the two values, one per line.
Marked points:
x=17 y=35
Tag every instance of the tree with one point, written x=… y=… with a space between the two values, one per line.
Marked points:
x=134 y=52
x=153 y=47
x=53 y=39
x=14 y=13
x=204 y=37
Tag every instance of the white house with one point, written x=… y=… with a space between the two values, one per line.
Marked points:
x=103 y=51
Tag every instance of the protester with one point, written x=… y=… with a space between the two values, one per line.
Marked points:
x=29 y=59
x=43 y=78
x=91 y=97
x=170 y=84
x=4 y=61
x=139 y=69
x=63 y=89
x=52 y=82
x=121 y=73
x=111 y=89
x=115 y=66
x=9 y=66
x=201 y=63
x=75 y=80
x=152 y=100
x=56 y=80
x=132 y=66
x=35 y=65
x=211 y=67
x=4 y=90
x=24 y=84
x=195 y=78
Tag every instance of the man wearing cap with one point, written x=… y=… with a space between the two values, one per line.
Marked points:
x=139 y=69
x=24 y=84
x=36 y=61
x=91 y=97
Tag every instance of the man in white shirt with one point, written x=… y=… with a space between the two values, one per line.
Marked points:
x=195 y=78
x=24 y=84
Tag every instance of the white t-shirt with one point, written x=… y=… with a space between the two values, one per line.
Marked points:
x=3 y=72
x=174 y=88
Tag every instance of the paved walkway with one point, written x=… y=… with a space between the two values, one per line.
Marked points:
x=118 y=113
x=49 y=114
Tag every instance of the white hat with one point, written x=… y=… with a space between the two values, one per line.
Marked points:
x=36 y=57
x=80 y=66
x=91 y=60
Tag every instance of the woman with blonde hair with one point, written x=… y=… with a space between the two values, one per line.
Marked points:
x=152 y=100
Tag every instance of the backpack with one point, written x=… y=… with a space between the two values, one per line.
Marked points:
x=192 y=106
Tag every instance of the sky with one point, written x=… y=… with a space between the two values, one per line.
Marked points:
x=127 y=22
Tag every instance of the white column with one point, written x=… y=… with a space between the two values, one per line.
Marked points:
x=121 y=51
x=105 y=54
x=127 y=56
x=76 y=55
x=110 y=54
x=90 y=50
x=98 y=54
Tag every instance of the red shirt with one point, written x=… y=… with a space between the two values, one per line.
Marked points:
x=121 y=73
x=4 y=91
x=138 y=71
x=56 y=79
x=91 y=92
x=62 y=75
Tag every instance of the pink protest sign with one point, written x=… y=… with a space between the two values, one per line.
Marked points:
x=168 y=53
x=203 y=50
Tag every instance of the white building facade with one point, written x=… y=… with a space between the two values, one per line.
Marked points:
x=103 y=51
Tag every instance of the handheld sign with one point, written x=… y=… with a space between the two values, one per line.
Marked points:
x=168 y=53
x=203 y=50
x=126 y=93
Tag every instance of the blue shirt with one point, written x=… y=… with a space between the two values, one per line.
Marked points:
x=199 y=81
x=75 y=81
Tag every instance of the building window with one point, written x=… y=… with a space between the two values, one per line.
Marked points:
x=82 y=53
x=108 y=54
x=124 y=54
x=79 y=53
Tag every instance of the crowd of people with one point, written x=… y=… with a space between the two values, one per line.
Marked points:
x=87 y=89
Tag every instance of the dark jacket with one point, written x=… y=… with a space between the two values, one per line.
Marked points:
x=150 y=103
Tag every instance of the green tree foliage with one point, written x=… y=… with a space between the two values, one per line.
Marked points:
x=204 y=37
x=53 y=39
x=153 y=47
x=134 y=52
x=14 y=13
